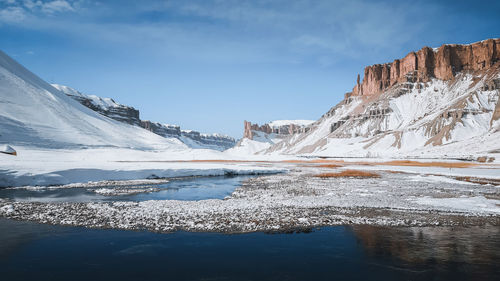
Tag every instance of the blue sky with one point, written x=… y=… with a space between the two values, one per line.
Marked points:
x=208 y=65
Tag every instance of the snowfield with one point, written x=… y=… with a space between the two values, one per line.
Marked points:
x=37 y=167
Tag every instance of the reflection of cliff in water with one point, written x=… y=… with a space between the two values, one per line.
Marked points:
x=459 y=247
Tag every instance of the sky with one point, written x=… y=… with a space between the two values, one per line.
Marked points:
x=208 y=65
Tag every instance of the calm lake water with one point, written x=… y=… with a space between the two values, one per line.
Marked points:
x=195 y=188
x=30 y=251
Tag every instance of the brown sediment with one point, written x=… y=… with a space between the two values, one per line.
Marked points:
x=349 y=173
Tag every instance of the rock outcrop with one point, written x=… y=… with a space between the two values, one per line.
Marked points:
x=105 y=106
x=280 y=127
x=164 y=130
x=442 y=63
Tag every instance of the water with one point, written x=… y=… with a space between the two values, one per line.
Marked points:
x=196 y=188
x=30 y=251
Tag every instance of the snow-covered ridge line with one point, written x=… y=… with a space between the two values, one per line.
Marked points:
x=127 y=114
x=104 y=103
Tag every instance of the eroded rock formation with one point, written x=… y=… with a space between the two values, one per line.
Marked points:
x=282 y=128
x=442 y=63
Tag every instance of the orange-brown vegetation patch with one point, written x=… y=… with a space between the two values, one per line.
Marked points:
x=315 y=161
x=349 y=174
x=421 y=164
x=332 y=166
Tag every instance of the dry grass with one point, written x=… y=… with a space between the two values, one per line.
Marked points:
x=422 y=164
x=332 y=166
x=315 y=161
x=349 y=174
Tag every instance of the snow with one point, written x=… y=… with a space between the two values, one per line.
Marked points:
x=478 y=203
x=33 y=113
x=284 y=201
x=248 y=147
x=7 y=149
x=61 y=141
x=35 y=167
x=406 y=129
x=63 y=144
x=103 y=103
x=279 y=123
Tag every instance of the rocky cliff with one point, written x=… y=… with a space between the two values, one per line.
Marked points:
x=164 y=130
x=281 y=128
x=127 y=114
x=106 y=106
x=442 y=63
x=260 y=137
x=192 y=138
x=432 y=102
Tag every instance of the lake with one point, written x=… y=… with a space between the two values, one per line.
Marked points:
x=191 y=188
x=31 y=251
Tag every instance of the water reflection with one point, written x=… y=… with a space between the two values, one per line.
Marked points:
x=451 y=251
x=31 y=251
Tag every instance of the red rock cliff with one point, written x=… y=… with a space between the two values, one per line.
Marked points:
x=442 y=63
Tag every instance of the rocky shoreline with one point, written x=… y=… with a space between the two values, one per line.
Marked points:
x=286 y=202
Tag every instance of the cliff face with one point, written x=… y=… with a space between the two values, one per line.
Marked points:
x=122 y=113
x=105 y=106
x=164 y=130
x=442 y=63
x=213 y=141
x=280 y=128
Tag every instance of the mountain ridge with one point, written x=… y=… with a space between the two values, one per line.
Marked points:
x=421 y=111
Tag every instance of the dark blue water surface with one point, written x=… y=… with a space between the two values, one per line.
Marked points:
x=30 y=251
x=193 y=188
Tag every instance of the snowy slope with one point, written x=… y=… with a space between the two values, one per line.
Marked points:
x=432 y=119
x=33 y=113
x=127 y=114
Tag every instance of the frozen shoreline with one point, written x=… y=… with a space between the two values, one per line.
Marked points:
x=287 y=201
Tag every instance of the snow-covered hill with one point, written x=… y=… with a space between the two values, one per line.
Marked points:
x=127 y=114
x=34 y=113
x=416 y=114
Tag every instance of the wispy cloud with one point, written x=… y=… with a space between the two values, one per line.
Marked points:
x=34 y=7
x=229 y=30
x=12 y=15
